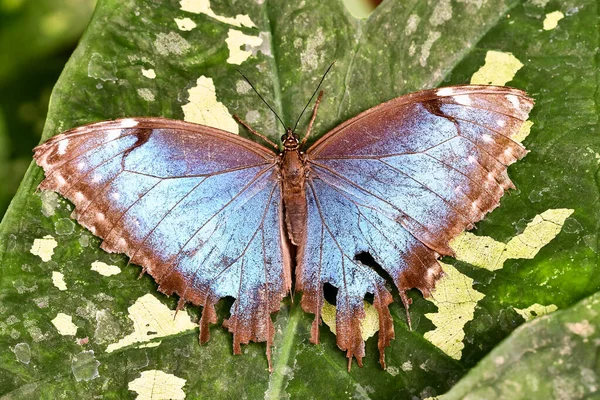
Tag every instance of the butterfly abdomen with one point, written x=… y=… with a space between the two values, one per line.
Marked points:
x=293 y=174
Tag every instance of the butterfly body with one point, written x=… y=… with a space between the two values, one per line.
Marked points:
x=293 y=173
x=210 y=214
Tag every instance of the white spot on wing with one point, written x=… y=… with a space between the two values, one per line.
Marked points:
x=463 y=99
x=514 y=100
x=486 y=138
x=112 y=134
x=447 y=91
x=62 y=146
x=128 y=123
x=60 y=180
x=501 y=122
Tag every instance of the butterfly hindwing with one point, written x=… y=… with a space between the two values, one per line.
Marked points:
x=400 y=181
x=197 y=207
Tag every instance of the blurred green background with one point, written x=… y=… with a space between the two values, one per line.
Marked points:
x=37 y=38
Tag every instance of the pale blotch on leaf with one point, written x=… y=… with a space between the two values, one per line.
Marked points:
x=535 y=310
x=146 y=94
x=152 y=320
x=64 y=324
x=242 y=87
x=64 y=226
x=499 y=69
x=104 y=70
x=22 y=352
x=44 y=248
x=185 y=24
x=149 y=73
x=107 y=329
x=105 y=269
x=58 y=280
x=441 y=13
x=426 y=47
x=412 y=24
x=203 y=7
x=369 y=325
x=456 y=300
x=235 y=41
x=171 y=43
x=485 y=252
x=49 y=203
x=551 y=20
x=85 y=366
x=158 y=385
x=204 y=108
x=312 y=55
x=583 y=328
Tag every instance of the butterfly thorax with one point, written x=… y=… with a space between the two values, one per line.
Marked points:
x=293 y=173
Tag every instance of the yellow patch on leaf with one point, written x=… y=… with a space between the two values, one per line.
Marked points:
x=152 y=320
x=204 y=108
x=158 y=385
x=535 y=310
x=456 y=300
x=499 y=69
x=485 y=252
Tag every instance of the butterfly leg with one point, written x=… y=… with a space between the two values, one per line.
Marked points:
x=263 y=137
x=312 y=119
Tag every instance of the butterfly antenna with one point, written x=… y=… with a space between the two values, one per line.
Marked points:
x=313 y=96
x=264 y=101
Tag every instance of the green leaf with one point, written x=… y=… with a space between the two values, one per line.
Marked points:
x=553 y=357
x=403 y=46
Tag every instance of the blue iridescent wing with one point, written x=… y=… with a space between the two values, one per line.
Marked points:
x=197 y=207
x=399 y=181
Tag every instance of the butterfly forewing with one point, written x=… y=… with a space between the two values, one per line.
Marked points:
x=197 y=207
x=400 y=181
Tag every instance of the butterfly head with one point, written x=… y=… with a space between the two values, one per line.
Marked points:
x=290 y=140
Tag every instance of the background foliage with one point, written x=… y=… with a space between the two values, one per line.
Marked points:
x=377 y=59
x=36 y=39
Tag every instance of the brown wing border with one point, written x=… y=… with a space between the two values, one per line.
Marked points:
x=417 y=97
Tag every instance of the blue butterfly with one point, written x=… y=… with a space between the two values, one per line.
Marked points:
x=210 y=214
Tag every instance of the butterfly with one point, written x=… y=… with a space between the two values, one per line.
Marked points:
x=209 y=214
